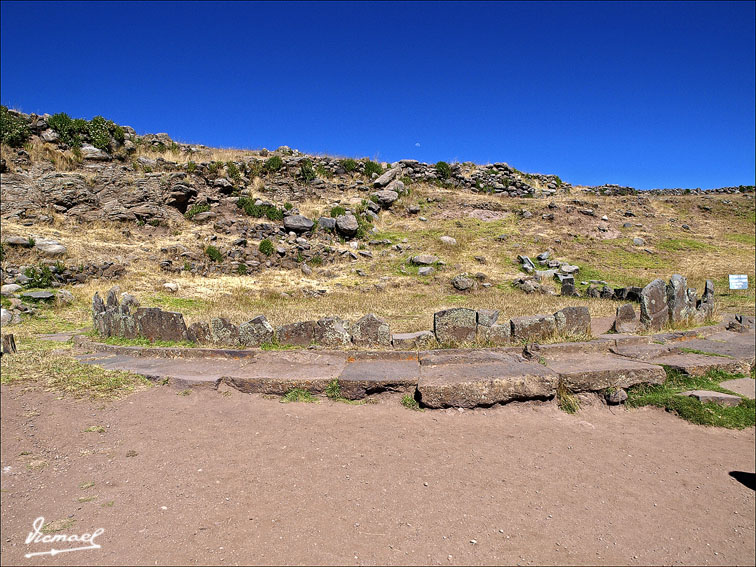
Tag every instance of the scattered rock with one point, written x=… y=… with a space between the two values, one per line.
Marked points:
x=170 y=287
x=347 y=225
x=462 y=283
x=616 y=396
x=448 y=240
x=424 y=260
x=707 y=396
x=298 y=224
x=425 y=270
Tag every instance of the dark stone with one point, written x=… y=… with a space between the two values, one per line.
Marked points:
x=455 y=326
x=573 y=321
x=297 y=334
x=625 y=320
x=199 y=332
x=654 y=310
x=371 y=330
x=156 y=324
x=534 y=328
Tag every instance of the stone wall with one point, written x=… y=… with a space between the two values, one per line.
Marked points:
x=661 y=304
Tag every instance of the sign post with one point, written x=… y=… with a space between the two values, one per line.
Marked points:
x=738 y=281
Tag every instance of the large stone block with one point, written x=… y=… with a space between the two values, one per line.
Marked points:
x=574 y=321
x=678 y=303
x=199 y=332
x=488 y=317
x=625 y=321
x=593 y=372
x=654 y=311
x=332 y=332
x=534 y=328
x=155 y=324
x=223 y=332
x=495 y=335
x=371 y=330
x=455 y=326
x=705 y=306
x=256 y=331
x=296 y=334
x=421 y=339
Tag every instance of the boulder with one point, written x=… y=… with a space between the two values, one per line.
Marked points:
x=332 y=332
x=223 y=332
x=455 y=326
x=488 y=317
x=18 y=241
x=448 y=241
x=425 y=270
x=387 y=177
x=495 y=335
x=5 y=316
x=9 y=289
x=573 y=321
x=568 y=287
x=678 y=304
x=654 y=312
x=256 y=332
x=385 y=198
x=705 y=305
x=296 y=334
x=94 y=154
x=298 y=224
x=155 y=324
x=326 y=223
x=371 y=330
x=38 y=295
x=533 y=328
x=625 y=321
x=199 y=332
x=462 y=283
x=616 y=396
x=64 y=297
x=424 y=260
x=50 y=247
x=347 y=225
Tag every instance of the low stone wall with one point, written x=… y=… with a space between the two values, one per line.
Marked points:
x=126 y=319
x=660 y=304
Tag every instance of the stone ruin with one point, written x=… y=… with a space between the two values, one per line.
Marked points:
x=660 y=304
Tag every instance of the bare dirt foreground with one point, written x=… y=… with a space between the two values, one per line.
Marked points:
x=228 y=478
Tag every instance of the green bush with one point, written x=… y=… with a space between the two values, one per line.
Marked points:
x=233 y=171
x=242 y=269
x=349 y=165
x=41 y=276
x=191 y=167
x=273 y=163
x=288 y=206
x=371 y=167
x=195 y=210
x=14 y=130
x=213 y=253
x=247 y=204
x=337 y=211
x=306 y=171
x=443 y=170
x=266 y=247
x=98 y=131
x=215 y=166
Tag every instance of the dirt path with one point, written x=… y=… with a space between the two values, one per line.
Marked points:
x=228 y=478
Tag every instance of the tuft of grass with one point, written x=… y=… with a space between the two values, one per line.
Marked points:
x=213 y=253
x=83 y=499
x=566 y=400
x=194 y=210
x=186 y=392
x=86 y=485
x=58 y=526
x=666 y=396
x=298 y=395
x=696 y=351
x=95 y=429
x=266 y=247
x=371 y=167
x=410 y=402
x=333 y=390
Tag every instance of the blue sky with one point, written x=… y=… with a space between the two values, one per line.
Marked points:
x=642 y=94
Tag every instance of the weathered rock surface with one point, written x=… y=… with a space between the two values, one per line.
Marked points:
x=298 y=224
x=296 y=334
x=654 y=311
x=155 y=324
x=709 y=397
x=223 y=332
x=371 y=330
x=347 y=225
x=256 y=331
x=533 y=328
x=363 y=377
x=411 y=341
x=423 y=260
x=332 y=332
x=455 y=326
x=625 y=321
x=574 y=321
x=593 y=372
x=385 y=198
x=462 y=283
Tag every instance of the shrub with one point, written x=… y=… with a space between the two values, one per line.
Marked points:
x=371 y=167
x=443 y=170
x=215 y=166
x=39 y=277
x=14 y=130
x=288 y=206
x=99 y=133
x=266 y=247
x=233 y=171
x=337 y=211
x=213 y=253
x=349 y=165
x=242 y=269
x=70 y=130
x=323 y=172
x=195 y=210
x=273 y=163
x=306 y=171
x=191 y=167
x=247 y=204
x=316 y=260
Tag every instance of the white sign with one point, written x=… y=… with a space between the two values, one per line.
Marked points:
x=738 y=281
x=37 y=537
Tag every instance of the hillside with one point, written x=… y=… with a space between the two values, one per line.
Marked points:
x=89 y=204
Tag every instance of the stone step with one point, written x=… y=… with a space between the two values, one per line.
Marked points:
x=360 y=378
x=449 y=381
x=707 y=396
x=699 y=364
x=743 y=386
x=592 y=372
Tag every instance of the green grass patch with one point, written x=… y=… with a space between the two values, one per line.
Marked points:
x=298 y=395
x=666 y=396
x=184 y=305
x=145 y=342
x=411 y=403
x=566 y=400
x=683 y=244
x=749 y=239
x=194 y=210
x=696 y=351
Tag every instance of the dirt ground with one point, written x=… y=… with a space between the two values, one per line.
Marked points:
x=228 y=478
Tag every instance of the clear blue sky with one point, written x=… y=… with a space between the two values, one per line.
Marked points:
x=642 y=94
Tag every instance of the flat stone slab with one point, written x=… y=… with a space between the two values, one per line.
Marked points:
x=642 y=352
x=707 y=396
x=736 y=345
x=699 y=364
x=743 y=386
x=500 y=379
x=601 y=325
x=364 y=377
x=591 y=372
